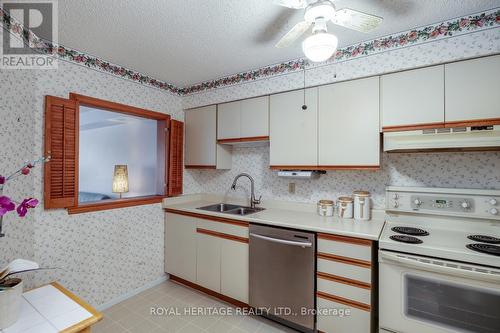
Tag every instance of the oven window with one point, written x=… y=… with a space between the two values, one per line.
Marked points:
x=450 y=305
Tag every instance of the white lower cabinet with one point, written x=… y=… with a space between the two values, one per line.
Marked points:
x=208 y=254
x=234 y=269
x=345 y=301
x=212 y=254
x=180 y=246
x=334 y=317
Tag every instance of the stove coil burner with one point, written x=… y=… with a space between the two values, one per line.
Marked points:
x=410 y=231
x=484 y=239
x=406 y=239
x=485 y=248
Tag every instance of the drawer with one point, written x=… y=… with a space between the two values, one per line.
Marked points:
x=224 y=228
x=335 y=317
x=355 y=293
x=354 y=248
x=346 y=270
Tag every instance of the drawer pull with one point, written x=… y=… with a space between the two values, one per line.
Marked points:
x=344 y=260
x=341 y=300
x=344 y=280
x=222 y=235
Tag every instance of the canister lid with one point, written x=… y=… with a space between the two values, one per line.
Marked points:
x=345 y=199
x=325 y=202
x=361 y=193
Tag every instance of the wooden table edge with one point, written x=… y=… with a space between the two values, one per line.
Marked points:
x=96 y=315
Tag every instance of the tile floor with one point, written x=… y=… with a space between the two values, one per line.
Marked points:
x=134 y=314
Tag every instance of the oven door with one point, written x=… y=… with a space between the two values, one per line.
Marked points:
x=419 y=294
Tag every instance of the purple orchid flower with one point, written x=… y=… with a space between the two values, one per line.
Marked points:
x=6 y=205
x=2 y=180
x=27 y=203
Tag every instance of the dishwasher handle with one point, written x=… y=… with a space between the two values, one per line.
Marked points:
x=282 y=241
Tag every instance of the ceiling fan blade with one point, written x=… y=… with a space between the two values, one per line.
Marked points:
x=295 y=4
x=292 y=35
x=355 y=20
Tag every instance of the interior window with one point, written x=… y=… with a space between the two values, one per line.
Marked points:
x=120 y=156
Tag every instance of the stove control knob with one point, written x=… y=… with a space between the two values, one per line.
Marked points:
x=395 y=196
x=465 y=204
x=493 y=202
x=417 y=202
x=494 y=211
x=395 y=204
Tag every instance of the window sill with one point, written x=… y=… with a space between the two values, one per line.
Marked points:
x=115 y=203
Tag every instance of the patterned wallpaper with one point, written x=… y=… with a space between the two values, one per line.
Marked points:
x=473 y=170
x=101 y=255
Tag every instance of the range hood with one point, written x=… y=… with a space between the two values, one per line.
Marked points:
x=445 y=139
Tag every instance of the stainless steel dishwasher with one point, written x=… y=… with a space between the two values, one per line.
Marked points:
x=282 y=275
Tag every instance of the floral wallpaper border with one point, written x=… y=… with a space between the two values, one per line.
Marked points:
x=445 y=29
x=65 y=53
x=449 y=28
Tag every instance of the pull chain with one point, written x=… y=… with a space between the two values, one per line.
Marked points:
x=304 y=106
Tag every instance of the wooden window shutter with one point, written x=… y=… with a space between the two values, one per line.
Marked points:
x=61 y=144
x=175 y=158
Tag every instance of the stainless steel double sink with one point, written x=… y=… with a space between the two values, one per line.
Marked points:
x=231 y=209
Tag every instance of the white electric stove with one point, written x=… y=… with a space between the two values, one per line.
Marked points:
x=439 y=257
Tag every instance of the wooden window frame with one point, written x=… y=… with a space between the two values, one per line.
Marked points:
x=133 y=111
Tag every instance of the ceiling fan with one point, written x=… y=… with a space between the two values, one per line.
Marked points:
x=321 y=45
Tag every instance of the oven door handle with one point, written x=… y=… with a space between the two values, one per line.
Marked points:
x=441 y=266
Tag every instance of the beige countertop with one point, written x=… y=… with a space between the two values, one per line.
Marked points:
x=295 y=215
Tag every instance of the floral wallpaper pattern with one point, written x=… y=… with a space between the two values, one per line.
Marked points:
x=103 y=255
x=99 y=256
x=449 y=28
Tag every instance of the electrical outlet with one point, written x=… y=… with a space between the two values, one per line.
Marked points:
x=291 y=188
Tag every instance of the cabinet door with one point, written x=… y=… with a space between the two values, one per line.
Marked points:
x=412 y=99
x=180 y=246
x=201 y=127
x=294 y=131
x=255 y=117
x=234 y=269
x=208 y=261
x=334 y=317
x=349 y=124
x=472 y=90
x=229 y=120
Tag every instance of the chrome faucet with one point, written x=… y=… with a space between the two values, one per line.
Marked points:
x=253 y=201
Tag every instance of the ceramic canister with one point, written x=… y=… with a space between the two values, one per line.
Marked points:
x=362 y=209
x=326 y=207
x=345 y=207
x=10 y=305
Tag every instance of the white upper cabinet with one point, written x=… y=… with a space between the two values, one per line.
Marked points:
x=294 y=131
x=349 y=124
x=472 y=90
x=229 y=120
x=412 y=99
x=255 y=117
x=201 y=149
x=244 y=120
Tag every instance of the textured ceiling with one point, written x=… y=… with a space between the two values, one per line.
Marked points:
x=189 y=41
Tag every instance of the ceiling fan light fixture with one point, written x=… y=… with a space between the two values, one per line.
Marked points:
x=320 y=46
x=321 y=9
